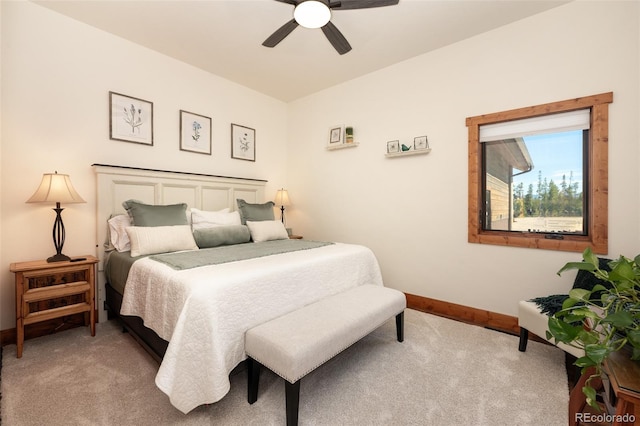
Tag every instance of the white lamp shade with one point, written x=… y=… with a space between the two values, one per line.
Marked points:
x=282 y=198
x=55 y=188
x=312 y=14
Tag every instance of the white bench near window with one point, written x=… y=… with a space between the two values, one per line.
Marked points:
x=297 y=343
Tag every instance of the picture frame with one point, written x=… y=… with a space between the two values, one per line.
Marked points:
x=195 y=133
x=393 y=147
x=336 y=135
x=130 y=119
x=243 y=142
x=420 y=142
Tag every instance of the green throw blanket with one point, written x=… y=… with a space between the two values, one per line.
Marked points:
x=233 y=253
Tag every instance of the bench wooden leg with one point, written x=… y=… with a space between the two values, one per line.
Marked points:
x=524 y=338
x=253 y=378
x=400 y=326
x=292 y=396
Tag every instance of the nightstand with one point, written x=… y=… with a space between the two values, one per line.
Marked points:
x=45 y=291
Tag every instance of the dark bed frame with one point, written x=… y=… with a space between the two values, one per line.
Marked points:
x=147 y=338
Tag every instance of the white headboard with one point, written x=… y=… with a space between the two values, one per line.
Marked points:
x=116 y=184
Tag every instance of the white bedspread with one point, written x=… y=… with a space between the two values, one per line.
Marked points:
x=204 y=312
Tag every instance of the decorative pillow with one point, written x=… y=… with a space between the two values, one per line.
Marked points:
x=221 y=235
x=118 y=233
x=255 y=212
x=267 y=230
x=160 y=239
x=201 y=219
x=149 y=215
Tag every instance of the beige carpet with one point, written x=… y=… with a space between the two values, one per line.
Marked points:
x=445 y=373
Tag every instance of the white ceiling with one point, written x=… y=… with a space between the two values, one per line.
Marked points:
x=225 y=37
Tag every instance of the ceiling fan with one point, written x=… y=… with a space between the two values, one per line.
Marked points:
x=317 y=14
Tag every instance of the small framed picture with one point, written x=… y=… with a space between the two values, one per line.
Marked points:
x=195 y=133
x=243 y=142
x=393 y=146
x=420 y=142
x=336 y=135
x=130 y=119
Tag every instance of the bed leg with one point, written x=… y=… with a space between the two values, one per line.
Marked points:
x=400 y=326
x=253 y=378
x=292 y=396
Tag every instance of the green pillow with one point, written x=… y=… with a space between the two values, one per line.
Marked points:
x=255 y=212
x=223 y=235
x=148 y=215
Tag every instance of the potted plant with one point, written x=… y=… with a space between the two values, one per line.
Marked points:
x=603 y=320
x=349 y=133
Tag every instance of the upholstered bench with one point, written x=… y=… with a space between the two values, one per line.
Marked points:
x=297 y=343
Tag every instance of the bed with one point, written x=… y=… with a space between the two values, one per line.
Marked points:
x=191 y=307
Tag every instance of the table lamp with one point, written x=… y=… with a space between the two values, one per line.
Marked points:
x=56 y=188
x=282 y=199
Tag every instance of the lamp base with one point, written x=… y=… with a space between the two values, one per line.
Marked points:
x=58 y=258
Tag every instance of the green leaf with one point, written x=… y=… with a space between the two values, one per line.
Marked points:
x=634 y=338
x=596 y=352
x=599 y=287
x=570 y=318
x=585 y=312
x=562 y=331
x=568 y=303
x=590 y=393
x=622 y=271
x=619 y=320
x=588 y=337
x=577 y=265
x=584 y=362
x=624 y=286
x=589 y=257
x=579 y=294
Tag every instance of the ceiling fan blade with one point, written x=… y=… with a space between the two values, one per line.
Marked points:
x=293 y=2
x=280 y=34
x=336 y=38
x=362 y=4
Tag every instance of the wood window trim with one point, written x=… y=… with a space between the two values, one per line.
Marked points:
x=598 y=216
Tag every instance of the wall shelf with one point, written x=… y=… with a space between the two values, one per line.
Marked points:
x=402 y=154
x=342 y=145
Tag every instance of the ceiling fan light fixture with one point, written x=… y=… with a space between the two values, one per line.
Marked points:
x=312 y=14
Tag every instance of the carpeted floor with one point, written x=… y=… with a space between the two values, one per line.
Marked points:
x=445 y=373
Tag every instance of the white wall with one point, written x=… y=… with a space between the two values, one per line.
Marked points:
x=412 y=211
x=56 y=75
x=1 y=304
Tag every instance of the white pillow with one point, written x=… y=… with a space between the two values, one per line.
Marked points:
x=160 y=239
x=117 y=232
x=267 y=230
x=202 y=219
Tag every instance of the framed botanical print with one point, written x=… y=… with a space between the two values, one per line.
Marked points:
x=195 y=132
x=243 y=142
x=336 y=135
x=420 y=142
x=130 y=119
x=393 y=146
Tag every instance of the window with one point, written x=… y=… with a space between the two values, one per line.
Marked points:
x=538 y=176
